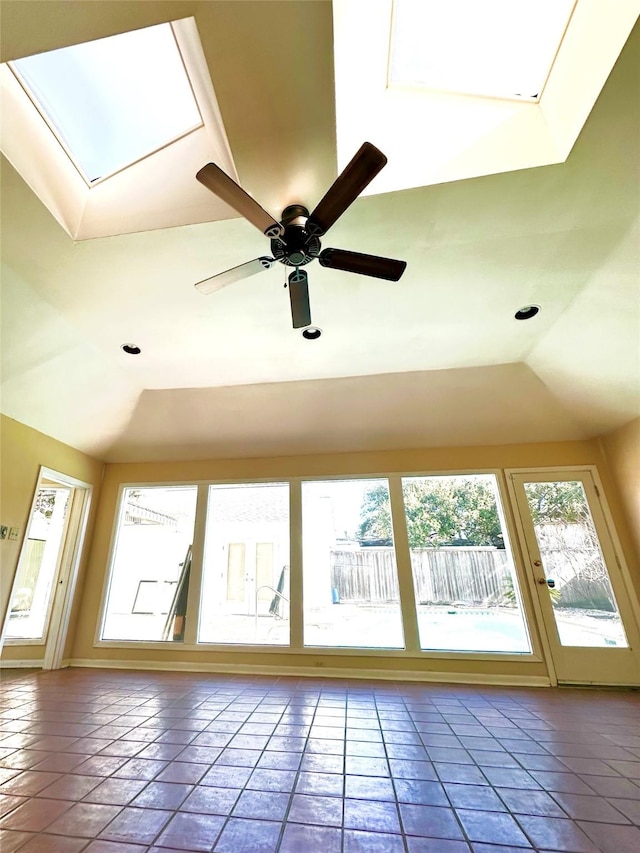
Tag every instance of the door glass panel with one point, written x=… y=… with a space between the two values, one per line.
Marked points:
x=584 y=606
x=151 y=566
x=466 y=589
x=351 y=594
x=245 y=580
x=34 y=585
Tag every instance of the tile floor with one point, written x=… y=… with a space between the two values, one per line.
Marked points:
x=125 y=762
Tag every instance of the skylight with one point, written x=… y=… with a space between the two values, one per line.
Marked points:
x=113 y=101
x=499 y=48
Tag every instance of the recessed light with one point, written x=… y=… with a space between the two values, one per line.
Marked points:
x=527 y=312
x=311 y=333
x=131 y=349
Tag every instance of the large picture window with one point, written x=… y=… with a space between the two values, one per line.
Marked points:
x=151 y=565
x=350 y=579
x=239 y=592
x=245 y=582
x=466 y=589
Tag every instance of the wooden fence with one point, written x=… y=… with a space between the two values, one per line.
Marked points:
x=442 y=575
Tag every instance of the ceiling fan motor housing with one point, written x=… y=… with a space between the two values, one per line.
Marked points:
x=296 y=247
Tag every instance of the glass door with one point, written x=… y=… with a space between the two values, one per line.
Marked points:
x=589 y=623
x=35 y=582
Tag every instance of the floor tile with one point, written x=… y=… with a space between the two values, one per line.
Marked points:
x=367 y=815
x=609 y=786
x=265 y=805
x=44 y=843
x=115 y=792
x=136 y=825
x=474 y=797
x=358 y=841
x=187 y=832
x=162 y=795
x=567 y=783
x=248 y=836
x=329 y=784
x=589 y=808
x=70 y=787
x=140 y=768
x=84 y=819
x=227 y=777
x=430 y=821
x=613 y=839
x=369 y=788
x=297 y=838
x=34 y=815
x=210 y=800
x=9 y=802
x=319 y=810
x=29 y=782
x=280 y=761
x=491 y=827
x=555 y=834
x=182 y=772
x=436 y=845
x=11 y=841
x=419 y=792
x=530 y=802
x=463 y=774
x=323 y=763
x=630 y=808
x=178 y=761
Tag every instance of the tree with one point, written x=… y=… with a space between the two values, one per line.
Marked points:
x=439 y=511
x=557 y=502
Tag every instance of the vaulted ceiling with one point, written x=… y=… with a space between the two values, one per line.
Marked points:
x=435 y=359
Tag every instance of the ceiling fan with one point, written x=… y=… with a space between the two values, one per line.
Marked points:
x=295 y=240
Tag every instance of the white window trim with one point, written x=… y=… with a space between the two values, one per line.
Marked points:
x=295 y=646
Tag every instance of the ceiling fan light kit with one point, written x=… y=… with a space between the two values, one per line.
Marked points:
x=295 y=240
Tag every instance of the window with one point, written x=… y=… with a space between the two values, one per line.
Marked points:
x=151 y=564
x=466 y=589
x=497 y=47
x=350 y=580
x=582 y=600
x=33 y=589
x=115 y=100
x=245 y=585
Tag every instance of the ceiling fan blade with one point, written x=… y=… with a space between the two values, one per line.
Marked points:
x=299 y=297
x=220 y=184
x=341 y=259
x=216 y=282
x=346 y=188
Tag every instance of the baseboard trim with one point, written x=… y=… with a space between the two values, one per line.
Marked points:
x=318 y=672
x=21 y=664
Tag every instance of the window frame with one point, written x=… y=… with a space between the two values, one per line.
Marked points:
x=296 y=645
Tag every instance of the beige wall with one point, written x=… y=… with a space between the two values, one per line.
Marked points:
x=621 y=449
x=22 y=451
x=406 y=461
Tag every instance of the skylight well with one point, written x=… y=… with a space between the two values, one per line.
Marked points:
x=113 y=101
x=497 y=48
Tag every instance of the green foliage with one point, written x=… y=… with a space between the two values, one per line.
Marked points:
x=557 y=502
x=439 y=510
x=442 y=510
x=375 y=513
x=45 y=500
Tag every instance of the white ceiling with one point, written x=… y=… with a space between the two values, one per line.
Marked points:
x=435 y=359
